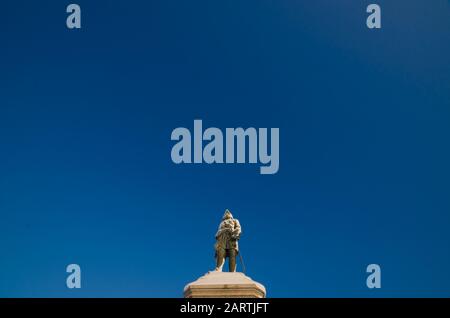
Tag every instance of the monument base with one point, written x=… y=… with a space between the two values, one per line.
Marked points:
x=224 y=285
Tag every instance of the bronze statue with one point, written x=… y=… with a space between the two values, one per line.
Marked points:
x=227 y=242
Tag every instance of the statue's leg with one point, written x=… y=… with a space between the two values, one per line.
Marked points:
x=220 y=259
x=232 y=259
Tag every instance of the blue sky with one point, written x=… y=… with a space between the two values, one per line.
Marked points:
x=86 y=116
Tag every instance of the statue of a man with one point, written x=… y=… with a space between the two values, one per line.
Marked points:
x=227 y=242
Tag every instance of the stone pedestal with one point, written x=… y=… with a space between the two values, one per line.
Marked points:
x=224 y=285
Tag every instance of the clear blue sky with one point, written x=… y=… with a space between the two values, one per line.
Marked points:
x=85 y=122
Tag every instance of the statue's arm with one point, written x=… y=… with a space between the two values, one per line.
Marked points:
x=237 y=229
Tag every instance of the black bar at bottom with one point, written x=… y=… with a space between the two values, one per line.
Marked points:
x=225 y=307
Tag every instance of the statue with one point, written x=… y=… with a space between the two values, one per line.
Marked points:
x=227 y=237
x=232 y=284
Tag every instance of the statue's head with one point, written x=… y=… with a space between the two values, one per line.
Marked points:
x=227 y=215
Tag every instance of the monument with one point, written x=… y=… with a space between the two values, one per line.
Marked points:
x=219 y=284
